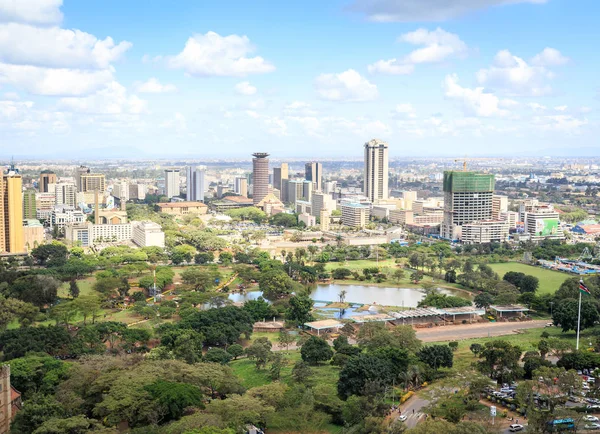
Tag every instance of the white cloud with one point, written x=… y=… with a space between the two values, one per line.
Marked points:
x=51 y=81
x=391 y=67
x=474 y=101
x=299 y=108
x=245 y=88
x=514 y=76
x=111 y=100
x=153 y=85
x=560 y=108
x=508 y=103
x=536 y=107
x=345 y=86
x=252 y=114
x=14 y=109
x=585 y=109
x=438 y=45
x=425 y=10
x=276 y=126
x=560 y=123
x=13 y=96
x=404 y=111
x=31 y=11
x=178 y=122
x=549 y=57
x=215 y=55
x=23 y=44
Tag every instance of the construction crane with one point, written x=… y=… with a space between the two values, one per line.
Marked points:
x=464 y=162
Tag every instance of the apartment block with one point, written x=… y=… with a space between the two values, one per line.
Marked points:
x=355 y=215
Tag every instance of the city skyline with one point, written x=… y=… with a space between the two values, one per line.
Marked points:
x=443 y=78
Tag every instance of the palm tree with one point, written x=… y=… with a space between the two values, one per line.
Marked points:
x=342 y=295
x=415 y=373
x=405 y=378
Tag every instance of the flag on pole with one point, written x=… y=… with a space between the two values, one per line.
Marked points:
x=584 y=289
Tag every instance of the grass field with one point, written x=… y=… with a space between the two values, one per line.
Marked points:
x=550 y=280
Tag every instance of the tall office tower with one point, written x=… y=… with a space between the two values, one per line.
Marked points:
x=194 y=184
x=241 y=186
x=467 y=199
x=260 y=176
x=12 y=239
x=376 y=170
x=66 y=194
x=314 y=173
x=81 y=171
x=279 y=174
x=172 y=183
x=499 y=206
x=46 y=177
x=91 y=182
x=321 y=201
x=29 y=204
x=299 y=189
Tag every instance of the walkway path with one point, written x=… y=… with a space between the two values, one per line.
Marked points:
x=479 y=330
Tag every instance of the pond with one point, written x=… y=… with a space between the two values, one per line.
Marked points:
x=361 y=294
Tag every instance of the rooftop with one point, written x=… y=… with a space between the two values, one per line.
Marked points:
x=509 y=308
x=324 y=324
x=237 y=199
x=181 y=204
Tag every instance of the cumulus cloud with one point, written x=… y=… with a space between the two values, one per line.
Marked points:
x=536 y=107
x=549 y=57
x=111 y=100
x=178 y=122
x=560 y=108
x=245 y=88
x=425 y=10
x=54 y=81
x=347 y=86
x=23 y=44
x=299 y=108
x=41 y=12
x=404 y=111
x=475 y=102
x=513 y=75
x=391 y=67
x=215 y=55
x=438 y=45
x=153 y=85
x=560 y=123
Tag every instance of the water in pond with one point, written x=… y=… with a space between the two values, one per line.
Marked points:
x=388 y=296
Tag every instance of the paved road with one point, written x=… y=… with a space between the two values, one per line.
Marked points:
x=467 y=331
x=412 y=408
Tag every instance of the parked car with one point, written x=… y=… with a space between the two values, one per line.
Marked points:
x=592 y=426
x=402 y=418
x=590 y=418
x=515 y=427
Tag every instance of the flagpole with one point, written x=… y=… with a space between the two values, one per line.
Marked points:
x=578 y=321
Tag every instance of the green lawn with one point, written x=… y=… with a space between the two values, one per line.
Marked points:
x=550 y=280
x=360 y=264
x=85 y=287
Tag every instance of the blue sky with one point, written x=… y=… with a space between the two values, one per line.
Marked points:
x=298 y=79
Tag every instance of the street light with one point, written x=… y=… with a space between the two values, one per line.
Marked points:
x=551 y=303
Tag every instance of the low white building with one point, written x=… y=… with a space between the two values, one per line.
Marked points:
x=355 y=215
x=61 y=216
x=307 y=219
x=147 y=234
x=489 y=231
x=91 y=234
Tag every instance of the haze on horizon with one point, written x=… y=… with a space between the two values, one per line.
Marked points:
x=307 y=79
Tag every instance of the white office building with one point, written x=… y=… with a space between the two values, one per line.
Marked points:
x=195 y=184
x=147 y=234
x=66 y=194
x=172 y=183
x=376 y=170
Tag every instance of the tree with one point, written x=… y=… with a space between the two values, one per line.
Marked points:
x=340 y=273
x=37 y=289
x=39 y=409
x=565 y=314
x=361 y=370
x=500 y=360
x=182 y=253
x=453 y=345
x=299 y=309
x=260 y=352
x=174 y=397
x=436 y=356
x=277 y=362
x=225 y=258
x=73 y=288
x=37 y=374
x=483 y=300
x=217 y=355
x=204 y=257
x=236 y=350
x=51 y=255
x=529 y=284
x=442 y=301
x=275 y=284
x=11 y=309
x=514 y=277
x=406 y=337
x=475 y=348
x=285 y=338
x=301 y=372
x=201 y=278
x=316 y=350
x=78 y=424
x=398 y=275
x=259 y=309
x=187 y=345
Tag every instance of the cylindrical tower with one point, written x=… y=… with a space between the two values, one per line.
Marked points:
x=260 y=176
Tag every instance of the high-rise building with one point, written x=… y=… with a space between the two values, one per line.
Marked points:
x=299 y=189
x=137 y=191
x=376 y=170
x=194 y=184
x=88 y=182
x=355 y=215
x=314 y=173
x=279 y=174
x=66 y=194
x=499 y=206
x=467 y=199
x=321 y=201
x=46 y=177
x=324 y=220
x=241 y=186
x=11 y=212
x=29 y=204
x=260 y=176
x=172 y=183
